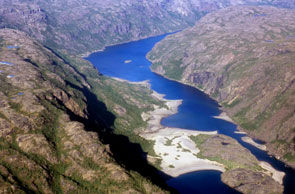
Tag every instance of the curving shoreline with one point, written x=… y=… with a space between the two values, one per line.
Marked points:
x=175 y=149
x=224 y=116
x=275 y=174
x=173 y=145
x=252 y=142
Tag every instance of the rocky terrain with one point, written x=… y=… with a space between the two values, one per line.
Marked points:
x=243 y=171
x=244 y=58
x=66 y=129
x=247 y=181
x=77 y=27
x=51 y=142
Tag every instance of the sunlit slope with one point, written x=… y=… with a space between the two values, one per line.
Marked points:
x=244 y=57
x=53 y=122
x=81 y=26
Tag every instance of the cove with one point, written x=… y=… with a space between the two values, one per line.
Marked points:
x=195 y=113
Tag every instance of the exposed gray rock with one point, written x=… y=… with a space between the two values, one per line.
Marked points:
x=250 y=182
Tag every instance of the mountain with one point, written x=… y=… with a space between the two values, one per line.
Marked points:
x=76 y=27
x=243 y=57
x=56 y=136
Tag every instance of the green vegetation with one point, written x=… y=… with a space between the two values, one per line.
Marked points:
x=64 y=93
x=6 y=87
x=201 y=87
x=249 y=126
x=16 y=106
x=168 y=142
x=50 y=128
x=146 y=145
x=241 y=118
x=49 y=125
x=134 y=100
x=179 y=146
x=232 y=104
x=229 y=165
x=175 y=70
x=199 y=139
x=229 y=63
x=185 y=150
x=290 y=157
x=218 y=155
x=2 y=116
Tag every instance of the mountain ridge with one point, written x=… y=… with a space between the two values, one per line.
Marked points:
x=77 y=27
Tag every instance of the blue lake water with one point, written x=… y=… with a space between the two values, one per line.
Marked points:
x=196 y=112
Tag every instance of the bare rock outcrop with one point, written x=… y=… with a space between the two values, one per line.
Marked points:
x=247 y=181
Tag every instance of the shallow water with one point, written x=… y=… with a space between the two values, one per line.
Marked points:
x=195 y=113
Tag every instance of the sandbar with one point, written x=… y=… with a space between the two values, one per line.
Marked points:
x=223 y=116
x=275 y=174
x=252 y=142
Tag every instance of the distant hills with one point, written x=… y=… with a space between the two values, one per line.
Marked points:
x=81 y=26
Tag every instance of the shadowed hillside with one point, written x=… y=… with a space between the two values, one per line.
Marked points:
x=52 y=125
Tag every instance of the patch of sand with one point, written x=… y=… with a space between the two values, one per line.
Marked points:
x=240 y=132
x=143 y=83
x=127 y=61
x=223 y=116
x=252 y=142
x=178 y=152
x=173 y=145
x=275 y=174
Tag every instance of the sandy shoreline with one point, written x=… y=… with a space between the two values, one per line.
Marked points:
x=87 y=54
x=224 y=116
x=144 y=83
x=252 y=142
x=177 y=151
x=275 y=174
x=240 y=132
x=174 y=147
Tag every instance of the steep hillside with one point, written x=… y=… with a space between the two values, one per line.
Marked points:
x=244 y=58
x=52 y=124
x=81 y=26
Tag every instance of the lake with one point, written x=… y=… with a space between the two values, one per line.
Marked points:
x=195 y=113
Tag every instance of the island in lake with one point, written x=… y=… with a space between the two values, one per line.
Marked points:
x=127 y=61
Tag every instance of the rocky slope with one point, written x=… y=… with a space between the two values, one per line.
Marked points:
x=247 y=181
x=243 y=171
x=50 y=138
x=82 y=26
x=244 y=58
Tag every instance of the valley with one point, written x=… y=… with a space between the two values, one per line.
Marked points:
x=177 y=130
x=147 y=96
